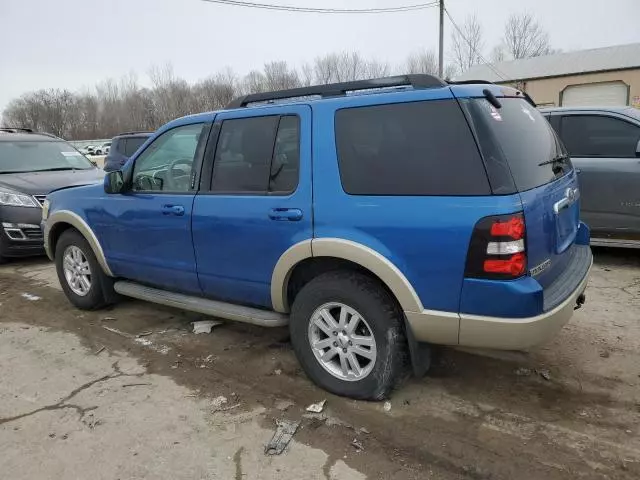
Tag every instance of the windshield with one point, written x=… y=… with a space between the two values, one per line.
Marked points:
x=516 y=136
x=36 y=156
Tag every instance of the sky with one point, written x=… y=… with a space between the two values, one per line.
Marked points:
x=75 y=44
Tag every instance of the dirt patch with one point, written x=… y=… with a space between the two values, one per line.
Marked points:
x=563 y=411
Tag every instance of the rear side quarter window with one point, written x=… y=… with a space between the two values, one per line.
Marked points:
x=417 y=148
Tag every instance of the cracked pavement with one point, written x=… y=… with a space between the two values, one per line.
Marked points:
x=132 y=394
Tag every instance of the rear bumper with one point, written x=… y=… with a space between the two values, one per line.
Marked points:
x=518 y=333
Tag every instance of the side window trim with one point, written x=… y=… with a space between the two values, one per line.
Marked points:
x=196 y=166
x=588 y=113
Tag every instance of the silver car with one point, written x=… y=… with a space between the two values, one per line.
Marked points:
x=604 y=145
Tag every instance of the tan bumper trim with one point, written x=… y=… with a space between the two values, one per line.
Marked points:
x=518 y=333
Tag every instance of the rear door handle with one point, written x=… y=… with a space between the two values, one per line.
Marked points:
x=285 y=214
x=177 y=210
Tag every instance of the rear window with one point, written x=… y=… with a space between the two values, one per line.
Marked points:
x=517 y=138
x=417 y=148
x=132 y=144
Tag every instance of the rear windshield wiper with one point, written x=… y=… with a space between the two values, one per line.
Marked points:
x=562 y=158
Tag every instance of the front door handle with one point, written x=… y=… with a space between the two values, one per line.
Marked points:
x=285 y=214
x=177 y=210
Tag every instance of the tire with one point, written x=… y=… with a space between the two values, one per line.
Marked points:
x=381 y=319
x=101 y=286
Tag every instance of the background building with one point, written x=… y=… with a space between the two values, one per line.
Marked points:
x=601 y=76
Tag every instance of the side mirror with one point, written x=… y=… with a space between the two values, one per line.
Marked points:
x=113 y=182
x=638 y=149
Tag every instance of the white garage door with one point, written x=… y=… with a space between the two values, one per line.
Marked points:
x=595 y=94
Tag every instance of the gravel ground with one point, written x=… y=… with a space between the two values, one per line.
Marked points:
x=132 y=393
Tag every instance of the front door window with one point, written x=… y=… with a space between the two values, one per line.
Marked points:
x=167 y=164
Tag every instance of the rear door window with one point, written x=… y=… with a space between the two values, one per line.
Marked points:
x=417 y=148
x=132 y=144
x=599 y=136
x=517 y=138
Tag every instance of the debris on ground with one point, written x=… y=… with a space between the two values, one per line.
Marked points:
x=357 y=444
x=205 y=326
x=605 y=354
x=364 y=430
x=118 y=332
x=135 y=385
x=144 y=334
x=108 y=319
x=208 y=358
x=284 y=405
x=523 y=372
x=544 y=373
x=31 y=298
x=316 y=407
x=218 y=402
x=278 y=372
x=282 y=436
x=144 y=341
x=387 y=406
x=97 y=352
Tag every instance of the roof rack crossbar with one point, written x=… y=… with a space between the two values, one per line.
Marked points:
x=339 y=89
x=15 y=129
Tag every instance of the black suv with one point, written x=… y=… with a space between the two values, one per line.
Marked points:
x=31 y=166
x=122 y=147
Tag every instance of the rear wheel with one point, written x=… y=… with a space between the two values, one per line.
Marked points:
x=347 y=333
x=80 y=275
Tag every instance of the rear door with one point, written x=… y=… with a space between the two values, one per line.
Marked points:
x=603 y=146
x=257 y=203
x=543 y=175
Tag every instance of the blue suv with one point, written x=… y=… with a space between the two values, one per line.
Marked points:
x=374 y=218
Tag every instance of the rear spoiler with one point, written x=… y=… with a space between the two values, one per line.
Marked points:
x=517 y=92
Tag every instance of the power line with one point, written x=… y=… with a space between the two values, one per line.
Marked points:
x=487 y=63
x=291 y=8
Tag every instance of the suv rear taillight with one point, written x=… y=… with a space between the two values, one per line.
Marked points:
x=498 y=249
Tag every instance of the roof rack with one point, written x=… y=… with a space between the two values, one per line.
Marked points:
x=15 y=130
x=132 y=133
x=340 y=89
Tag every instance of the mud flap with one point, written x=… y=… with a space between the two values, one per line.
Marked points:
x=420 y=353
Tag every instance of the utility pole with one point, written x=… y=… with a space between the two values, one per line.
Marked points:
x=441 y=44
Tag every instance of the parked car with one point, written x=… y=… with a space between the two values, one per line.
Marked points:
x=103 y=149
x=604 y=144
x=122 y=147
x=373 y=224
x=32 y=165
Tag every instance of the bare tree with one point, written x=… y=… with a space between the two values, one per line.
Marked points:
x=524 y=37
x=467 y=44
x=450 y=71
x=117 y=105
x=278 y=76
x=498 y=53
x=422 y=61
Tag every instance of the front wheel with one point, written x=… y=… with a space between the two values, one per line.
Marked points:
x=347 y=333
x=80 y=275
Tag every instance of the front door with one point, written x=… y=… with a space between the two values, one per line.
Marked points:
x=603 y=148
x=258 y=202
x=147 y=230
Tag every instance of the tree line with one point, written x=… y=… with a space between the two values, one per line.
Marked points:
x=116 y=106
